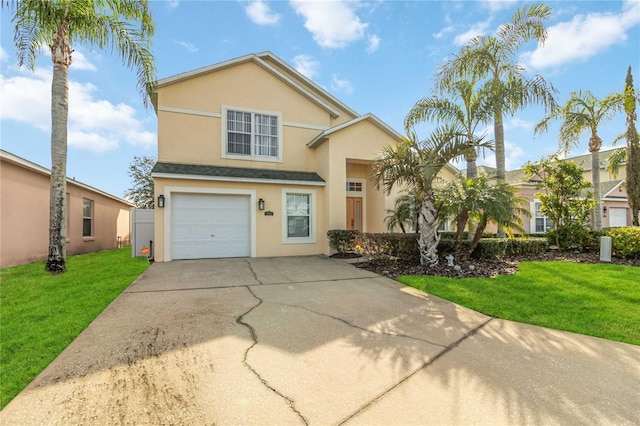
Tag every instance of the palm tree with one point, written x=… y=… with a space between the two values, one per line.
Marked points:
x=415 y=165
x=499 y=204
x=59 y=25
x=458 y=200
x=472 y=111
x=633 y=148
x=478 y=199
x=584 y=112
x=494 y=57
x=405 y=213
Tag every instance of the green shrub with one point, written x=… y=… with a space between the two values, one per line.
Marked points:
x=342 y=240
x=525 y=246
x=491 y=248
x=405 y=247
x=573 y=237
x=402 y=246
x=625 y=241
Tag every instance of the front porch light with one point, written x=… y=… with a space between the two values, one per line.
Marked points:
x=260 y=204
x=161 y=201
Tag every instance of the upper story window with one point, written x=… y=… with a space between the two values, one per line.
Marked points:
x=255 y=135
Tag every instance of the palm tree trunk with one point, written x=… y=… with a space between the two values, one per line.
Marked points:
x=633 y=179
x=61 y=56
x=472 y=168
x=594 y=147
x=498 y=130
x=478 y=235
x=429 y=237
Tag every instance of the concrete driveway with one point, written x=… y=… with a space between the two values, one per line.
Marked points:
x=312 y=340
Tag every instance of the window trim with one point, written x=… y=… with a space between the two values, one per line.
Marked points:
x=252 y=156
x=311 y=239
x=535 y=216
x=91 y=236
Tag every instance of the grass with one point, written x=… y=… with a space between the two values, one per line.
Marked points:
x=43 y=313
x=601 y=300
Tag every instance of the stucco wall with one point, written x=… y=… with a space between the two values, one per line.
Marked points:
x=189 y=136
x=24 y=217
x=268 y=229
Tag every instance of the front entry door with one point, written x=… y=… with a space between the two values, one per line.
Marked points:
x=354 y=213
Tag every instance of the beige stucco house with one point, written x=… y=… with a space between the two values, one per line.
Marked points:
x=255 y=159
x=613 y=202
x=95 y=220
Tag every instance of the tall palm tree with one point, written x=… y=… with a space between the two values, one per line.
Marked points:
x=633 y=148
x=124 y=26
x=469 y=113
x=415 y=165
x=494 y=57
x=584 y=112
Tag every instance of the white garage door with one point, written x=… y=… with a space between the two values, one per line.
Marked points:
x=617 y=217
x=210 y=226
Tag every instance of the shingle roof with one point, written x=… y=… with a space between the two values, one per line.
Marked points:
x=236 y=173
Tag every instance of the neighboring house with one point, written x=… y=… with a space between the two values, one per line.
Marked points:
x=614 y=202
x=95 y=220
x=255 y=159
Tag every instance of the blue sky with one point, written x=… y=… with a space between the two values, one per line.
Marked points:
x=375 y=56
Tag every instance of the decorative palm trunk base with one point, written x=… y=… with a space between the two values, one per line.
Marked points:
x=429 y=237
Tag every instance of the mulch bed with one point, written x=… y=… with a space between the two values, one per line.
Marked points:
x=482 y=268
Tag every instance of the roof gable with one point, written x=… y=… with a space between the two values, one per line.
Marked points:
x=36 y=168
x=259 y=59
x=366 y=117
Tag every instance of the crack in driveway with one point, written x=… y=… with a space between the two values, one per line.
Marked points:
x=254 y=337
x=440 y=354
x=350 y=324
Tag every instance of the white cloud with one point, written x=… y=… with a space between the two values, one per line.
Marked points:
x=446 y=30
x=340 y=85
x=333 y=24
x=173 y=3
x=518 y=123
x=496 y=5
x=583 y=37
x=306 y=65
x=80 y=62
x=374 y=43
x=94 y=124
x=260 y=13
x=190 y=47
x=514 y=157
x=477 y=29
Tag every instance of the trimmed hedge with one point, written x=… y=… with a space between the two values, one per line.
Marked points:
x=342 y=240
x=405 y=246
x=625 y=241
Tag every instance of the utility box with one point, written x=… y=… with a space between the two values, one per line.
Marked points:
x=605 y=249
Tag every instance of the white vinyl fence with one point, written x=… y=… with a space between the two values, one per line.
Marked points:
x=142 y=232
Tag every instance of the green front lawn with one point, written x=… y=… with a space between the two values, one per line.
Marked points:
x=600 y=300
x=42 y=313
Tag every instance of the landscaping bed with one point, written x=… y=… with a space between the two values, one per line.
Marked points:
x=482 y=268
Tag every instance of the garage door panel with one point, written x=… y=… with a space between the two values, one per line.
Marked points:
x=617 y=217
x=210 y=226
